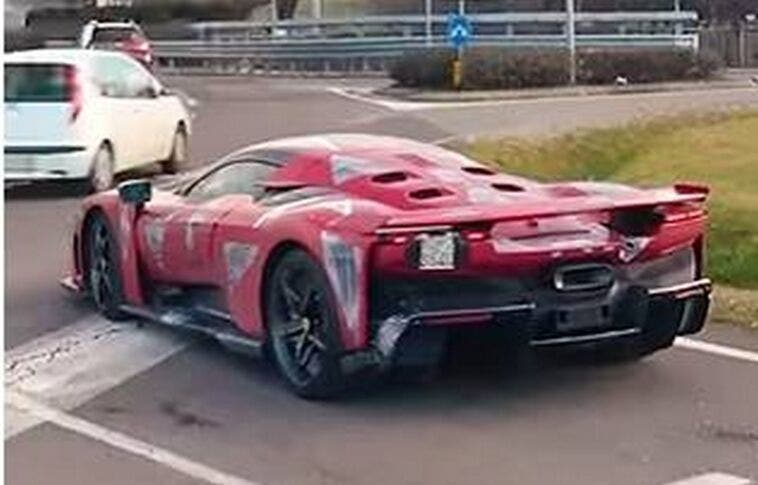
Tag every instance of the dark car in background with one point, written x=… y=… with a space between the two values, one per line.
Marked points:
x=127 y=37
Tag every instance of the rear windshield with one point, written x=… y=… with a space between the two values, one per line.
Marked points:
x=38 y=83
x=110 y=35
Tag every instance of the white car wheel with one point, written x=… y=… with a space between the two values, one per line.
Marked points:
x=102 y=175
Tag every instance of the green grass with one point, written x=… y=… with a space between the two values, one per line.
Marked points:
x=720 y=150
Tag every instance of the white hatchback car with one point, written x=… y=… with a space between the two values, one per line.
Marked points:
x=88 y=114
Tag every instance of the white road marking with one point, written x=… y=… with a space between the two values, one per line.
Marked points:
x=70 y=366
x=445 y=139
x=363 y=96
x=716 y=349
x=357 y=95
x=43 y=412
x=714 y=478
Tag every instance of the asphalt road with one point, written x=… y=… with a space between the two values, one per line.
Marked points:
x=143 y=406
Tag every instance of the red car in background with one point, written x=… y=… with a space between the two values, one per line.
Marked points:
x=346 y=253
x=127 y=37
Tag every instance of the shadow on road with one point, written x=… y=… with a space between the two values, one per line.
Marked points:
x=66 y=189
x=466 y=383
x=45 y=191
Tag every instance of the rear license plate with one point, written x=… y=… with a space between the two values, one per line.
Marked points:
x=436 y=251
x=19 y=163
x=582 y=318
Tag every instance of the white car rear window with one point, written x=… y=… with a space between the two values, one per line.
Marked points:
x=30 y=83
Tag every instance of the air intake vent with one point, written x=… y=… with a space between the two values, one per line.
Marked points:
x=583 y=277
x=390 y=177
x=478 y=170
x=430 y=193
x=505 y=187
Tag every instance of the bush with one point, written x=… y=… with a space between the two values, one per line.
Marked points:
x=643 y=66
x=429 y=69
x=492 y=68
x=507 y=68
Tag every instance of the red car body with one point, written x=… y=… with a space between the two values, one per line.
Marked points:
x=569 y=262
x=139 y=48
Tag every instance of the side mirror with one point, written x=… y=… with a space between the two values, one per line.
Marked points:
x=151 y=92
x=135 y=192
x=109 y=90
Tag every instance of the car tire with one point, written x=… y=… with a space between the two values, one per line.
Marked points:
x=302 y=322
x=103 y=271
x=102 y=174
x=179 y=152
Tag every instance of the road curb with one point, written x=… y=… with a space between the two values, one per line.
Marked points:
x=430 y=96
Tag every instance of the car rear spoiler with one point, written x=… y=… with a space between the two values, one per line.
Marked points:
x=559 y=206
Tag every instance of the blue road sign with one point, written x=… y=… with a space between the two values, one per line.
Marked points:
x=459 y=30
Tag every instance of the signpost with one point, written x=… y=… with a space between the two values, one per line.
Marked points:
x=428 y=11
x=571 y=38
x=459 y=32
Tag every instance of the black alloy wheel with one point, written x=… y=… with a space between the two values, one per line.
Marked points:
x=103 y=277
x=302 y=323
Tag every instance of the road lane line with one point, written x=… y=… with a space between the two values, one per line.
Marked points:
x=715 y=478
x=716 y=349
x=70 y=366
x=121 y=441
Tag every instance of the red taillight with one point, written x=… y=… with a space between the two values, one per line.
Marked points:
x=135 y=44
x=74 y=90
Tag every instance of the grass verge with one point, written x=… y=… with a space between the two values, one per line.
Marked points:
x=718 y=149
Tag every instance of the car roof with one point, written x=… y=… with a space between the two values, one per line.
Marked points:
x=58 y=56
x=342 y=142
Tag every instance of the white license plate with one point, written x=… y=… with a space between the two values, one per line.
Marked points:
x=436 y=251
x=19 y=163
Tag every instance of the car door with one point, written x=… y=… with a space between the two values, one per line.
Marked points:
x=165 y=111
x=192 y=226
x=157 y=115
x=120 y=112
x=128 y=93
x=148 y=131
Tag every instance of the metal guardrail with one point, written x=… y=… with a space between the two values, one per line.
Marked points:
x=413 y=24
x=363 y=54
x=370 y=44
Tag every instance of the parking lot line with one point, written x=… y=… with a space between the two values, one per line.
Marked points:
x=72 y=365
x=716 y=349
x=715 y=478
x=123 y=442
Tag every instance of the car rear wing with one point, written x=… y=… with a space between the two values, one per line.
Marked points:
x=679 y=194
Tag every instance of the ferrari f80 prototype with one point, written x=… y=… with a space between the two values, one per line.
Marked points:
x=346 y=253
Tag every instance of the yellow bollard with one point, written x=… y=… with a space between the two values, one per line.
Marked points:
x=457 y=73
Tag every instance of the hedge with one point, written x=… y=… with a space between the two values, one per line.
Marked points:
x=507 y=68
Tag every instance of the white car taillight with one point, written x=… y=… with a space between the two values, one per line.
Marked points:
x=74 y=92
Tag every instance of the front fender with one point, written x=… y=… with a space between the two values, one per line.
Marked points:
x=121 y=219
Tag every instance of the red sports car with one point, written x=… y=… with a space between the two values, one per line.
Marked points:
x=347 y=253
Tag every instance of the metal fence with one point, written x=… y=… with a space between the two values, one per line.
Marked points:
x=370 y=44
x=737 y=45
